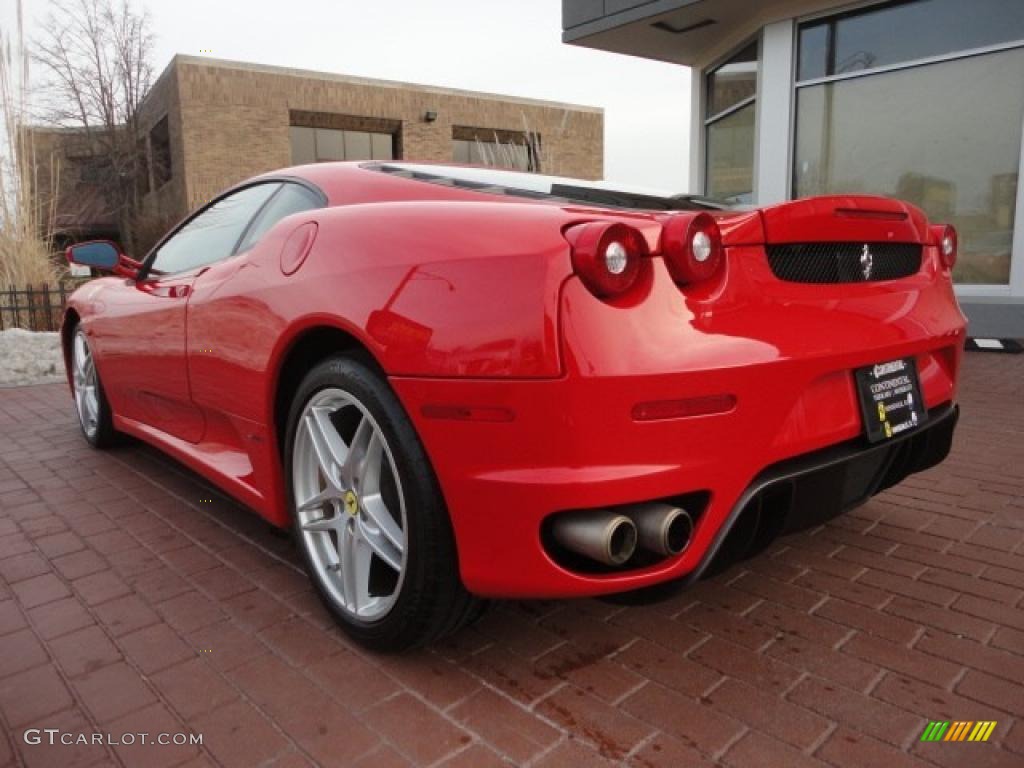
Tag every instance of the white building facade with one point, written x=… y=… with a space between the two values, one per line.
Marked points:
x=917 y=99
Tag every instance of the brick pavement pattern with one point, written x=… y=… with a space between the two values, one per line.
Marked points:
x=134 y=598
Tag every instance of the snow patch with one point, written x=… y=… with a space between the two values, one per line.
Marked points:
x=29 y=357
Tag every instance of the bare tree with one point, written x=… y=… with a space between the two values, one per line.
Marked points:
x=95 y=61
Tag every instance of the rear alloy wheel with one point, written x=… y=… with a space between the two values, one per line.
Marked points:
x=368 y=515
x=90 y=400
x=349 y=503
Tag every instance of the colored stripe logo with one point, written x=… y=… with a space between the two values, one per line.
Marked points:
x=959 y=730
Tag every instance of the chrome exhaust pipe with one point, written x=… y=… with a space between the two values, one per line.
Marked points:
x=661 y=528
x=600 y=534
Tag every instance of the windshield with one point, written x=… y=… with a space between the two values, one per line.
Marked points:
x=555 y=188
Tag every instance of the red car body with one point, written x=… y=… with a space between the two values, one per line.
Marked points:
x=524 y=387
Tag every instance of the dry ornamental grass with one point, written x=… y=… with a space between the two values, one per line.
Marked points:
x=26 y=223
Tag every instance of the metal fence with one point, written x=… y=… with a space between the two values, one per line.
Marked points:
x=34 y=308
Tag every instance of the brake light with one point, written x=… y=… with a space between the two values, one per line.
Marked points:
x=692 y=246
x=946 y=239
x=606 y=256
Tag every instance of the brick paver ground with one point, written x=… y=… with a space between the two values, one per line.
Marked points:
x=133 y=598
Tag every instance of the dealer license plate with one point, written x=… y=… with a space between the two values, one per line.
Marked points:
x=890 y=399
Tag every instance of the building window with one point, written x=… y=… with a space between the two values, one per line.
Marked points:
x=729 y=127
x=908 y=31
x=514 y=150
x=319 y=145
x=943 y=133
x=160 y=152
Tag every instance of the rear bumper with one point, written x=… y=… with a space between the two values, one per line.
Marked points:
x=502 y=479
x=528 y=449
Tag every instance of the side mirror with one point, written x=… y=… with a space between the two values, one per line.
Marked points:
x=97 y=254
x=103 y=255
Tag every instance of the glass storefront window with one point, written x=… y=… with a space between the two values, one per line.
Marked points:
x=945 y=136
x=906 y=31
x=730 y=153
x=729 y=127
x=733 y=82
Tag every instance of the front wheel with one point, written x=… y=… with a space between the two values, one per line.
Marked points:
x=368 y=515
x=94 y=415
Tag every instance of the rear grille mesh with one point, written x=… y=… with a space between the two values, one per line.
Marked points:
x=843 y=262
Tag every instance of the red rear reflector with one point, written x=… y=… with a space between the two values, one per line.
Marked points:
x=658 y=410
x=467 y=413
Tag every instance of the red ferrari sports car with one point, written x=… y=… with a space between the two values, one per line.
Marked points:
x=456 y=383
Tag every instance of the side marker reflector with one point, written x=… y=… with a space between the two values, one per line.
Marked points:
x=658 y=410
x=467 y=413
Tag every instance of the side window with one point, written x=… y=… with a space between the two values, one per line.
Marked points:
x=292 y=198
x=212 y=235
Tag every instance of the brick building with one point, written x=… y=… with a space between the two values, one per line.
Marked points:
x=211 y=123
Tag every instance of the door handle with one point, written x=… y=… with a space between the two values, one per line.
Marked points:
x=180 y=291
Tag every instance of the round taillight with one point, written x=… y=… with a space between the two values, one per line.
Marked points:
x=606 y=256
x=692 y=246
x=948 y=247
x=945 y=238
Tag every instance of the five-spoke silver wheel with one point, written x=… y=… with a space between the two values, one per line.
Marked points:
x=349 y=503
x=87 y=397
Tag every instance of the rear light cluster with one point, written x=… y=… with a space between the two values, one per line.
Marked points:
x=945 y=238
x=692 y=246
x=607 y=256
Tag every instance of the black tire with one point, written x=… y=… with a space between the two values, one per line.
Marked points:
x=431 y=601
x=103 y=435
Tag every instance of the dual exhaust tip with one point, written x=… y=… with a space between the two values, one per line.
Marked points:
x=612 y=536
